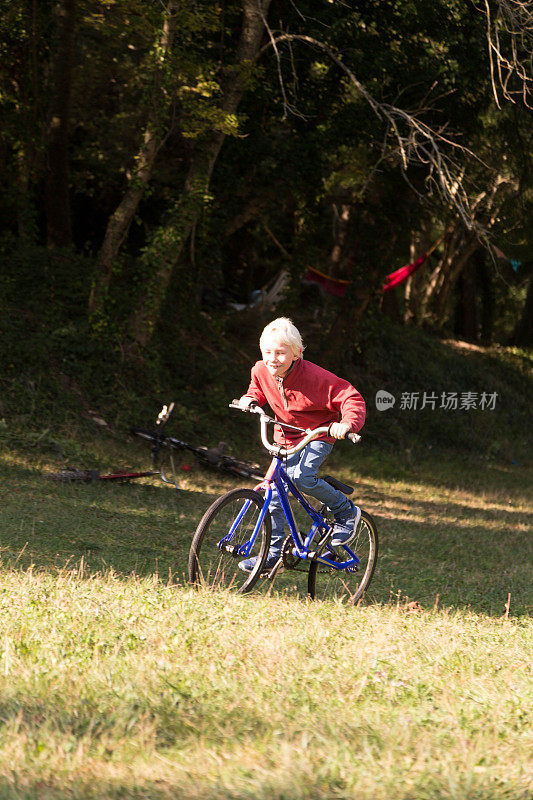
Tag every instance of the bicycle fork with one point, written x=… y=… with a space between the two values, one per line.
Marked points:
x=243 y=550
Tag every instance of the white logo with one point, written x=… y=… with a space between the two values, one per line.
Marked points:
x=384 y=400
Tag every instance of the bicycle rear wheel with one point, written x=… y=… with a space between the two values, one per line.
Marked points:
x=226 y=527
x=347 y=585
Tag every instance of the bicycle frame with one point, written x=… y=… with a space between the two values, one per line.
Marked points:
x=278 y=478
x=302 y=547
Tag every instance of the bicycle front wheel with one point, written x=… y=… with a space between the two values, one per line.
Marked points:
x=227 y=529
x=347 y=585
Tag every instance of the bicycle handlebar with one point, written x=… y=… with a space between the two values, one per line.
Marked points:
x=287 y=451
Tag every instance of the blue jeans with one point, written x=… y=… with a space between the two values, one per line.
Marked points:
x=302 y=468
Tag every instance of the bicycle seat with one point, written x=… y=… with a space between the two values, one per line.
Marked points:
x=342 y=487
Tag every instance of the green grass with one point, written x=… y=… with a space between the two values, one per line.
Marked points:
x=450 y=531
x=133 y=688
x=117 y=680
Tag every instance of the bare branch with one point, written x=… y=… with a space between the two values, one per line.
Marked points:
x=415 y=142
x=510 y=47
x=287 y=107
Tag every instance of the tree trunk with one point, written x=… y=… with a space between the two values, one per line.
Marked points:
x=57 y=190
x=456 y=265
x=460 y=246
x=486 y=291
x=25 y=211
x=120 y=221
x=439 y=273
x=523 y=333
x=343 y=213
x=164 y=251
x=26 y=155
x=414 y=285
x=467 y=311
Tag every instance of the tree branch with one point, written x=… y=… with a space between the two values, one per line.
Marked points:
x=415 y=141
x=510 y=47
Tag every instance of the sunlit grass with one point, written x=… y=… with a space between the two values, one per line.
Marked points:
x=119 y=680
x=137 y=688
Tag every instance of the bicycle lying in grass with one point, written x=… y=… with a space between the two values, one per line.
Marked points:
x=163 y=449
x=238 y=526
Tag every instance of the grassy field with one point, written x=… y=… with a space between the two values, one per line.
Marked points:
x=119 y=681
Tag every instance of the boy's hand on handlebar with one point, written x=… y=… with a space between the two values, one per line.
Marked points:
x=339 y=429
x=245 y=402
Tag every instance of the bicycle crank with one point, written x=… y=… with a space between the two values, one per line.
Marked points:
x=290 y=559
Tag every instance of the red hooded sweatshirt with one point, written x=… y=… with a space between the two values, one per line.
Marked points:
x=308 y=397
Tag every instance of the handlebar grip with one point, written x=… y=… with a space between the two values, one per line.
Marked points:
x=353 y=437
x=254 y=406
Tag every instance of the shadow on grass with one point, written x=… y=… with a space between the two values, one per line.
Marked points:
x=440 y=470
x=128 y=527
x=465 y=553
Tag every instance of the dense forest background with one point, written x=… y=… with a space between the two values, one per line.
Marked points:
x=176 y=173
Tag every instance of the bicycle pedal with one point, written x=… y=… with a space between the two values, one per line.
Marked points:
x=271 y=573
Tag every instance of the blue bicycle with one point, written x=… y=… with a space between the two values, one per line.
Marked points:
x=238 y=526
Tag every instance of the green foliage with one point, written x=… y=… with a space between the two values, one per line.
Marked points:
x=293 y=151
x=269 y=205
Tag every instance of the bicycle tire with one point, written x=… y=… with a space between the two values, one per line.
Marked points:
x=212 y=567
x=347 y=585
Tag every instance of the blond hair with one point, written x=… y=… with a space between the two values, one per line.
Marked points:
x=283 y=330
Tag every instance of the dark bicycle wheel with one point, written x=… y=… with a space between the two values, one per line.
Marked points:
x=214 y=556
x=347 y=585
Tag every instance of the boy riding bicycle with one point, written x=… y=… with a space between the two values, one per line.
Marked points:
x=303 y=394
